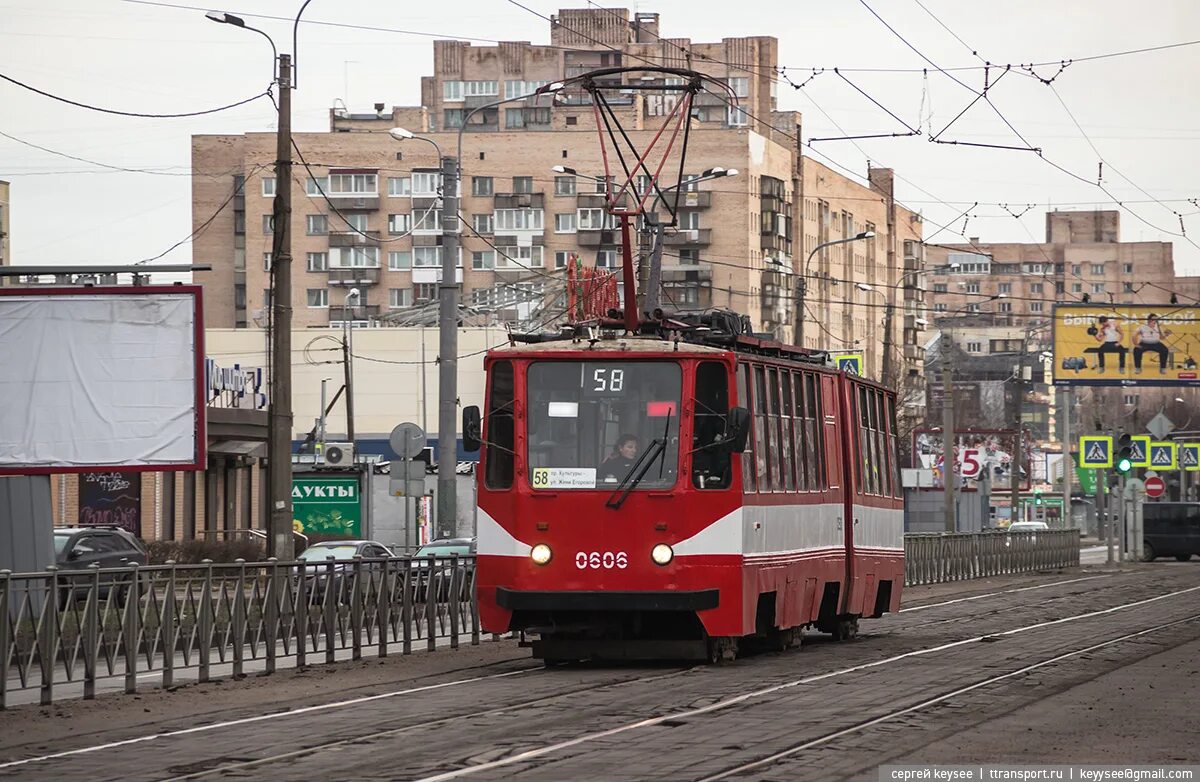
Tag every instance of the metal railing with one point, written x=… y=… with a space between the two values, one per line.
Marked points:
x=69 y=628
x=940 y=557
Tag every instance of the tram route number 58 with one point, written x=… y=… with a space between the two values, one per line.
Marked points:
x=611 y=380
x=969 y=463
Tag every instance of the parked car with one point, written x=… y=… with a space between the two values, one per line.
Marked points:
x=342 y=552
x=1028 y=526
x=438 y=552
x=77 y=549
x=1170 y=529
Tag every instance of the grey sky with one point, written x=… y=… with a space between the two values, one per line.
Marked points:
x=1141 y=111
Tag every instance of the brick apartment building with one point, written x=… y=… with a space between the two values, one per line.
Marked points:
x=741 y=241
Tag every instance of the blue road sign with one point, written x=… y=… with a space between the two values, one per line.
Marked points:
x=1139 y=446
x=1189 y=456
x=1095 y=451
x=1162 y=456
x=850 y=363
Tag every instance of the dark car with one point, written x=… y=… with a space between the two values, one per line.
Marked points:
x=77 y=549
x=439 y=553
x=342 y=552
x=1170 y=529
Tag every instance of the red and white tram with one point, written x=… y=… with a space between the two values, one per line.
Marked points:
x=672 y=495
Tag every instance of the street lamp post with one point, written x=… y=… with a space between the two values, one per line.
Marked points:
x=448 y=298
x=348 y=359
x=803 y=286
x=280 y=542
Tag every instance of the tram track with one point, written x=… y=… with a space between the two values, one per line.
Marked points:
x=593 y=704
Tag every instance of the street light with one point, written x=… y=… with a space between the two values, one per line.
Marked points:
x=448 y=297
x=348 y=359
x=280 y=543
x=804 y=278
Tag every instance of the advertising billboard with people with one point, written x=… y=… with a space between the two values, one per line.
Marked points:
x=1127 y=344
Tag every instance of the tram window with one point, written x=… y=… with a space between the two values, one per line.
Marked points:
x=892 y=454
x=498 y=470
x=762 y=445
x=814 y=434
x=800 y=440
x=710 y=465
x=774 y=446
x=787 y=440
x=865 y=460
x=748 y=459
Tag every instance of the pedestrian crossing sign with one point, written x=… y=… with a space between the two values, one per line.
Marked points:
x=850 y=363
x=1189 y=456
x=1163 y=456
x=1095 y=451
x=1139 y=446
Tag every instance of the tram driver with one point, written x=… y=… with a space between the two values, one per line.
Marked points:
x=620 y=462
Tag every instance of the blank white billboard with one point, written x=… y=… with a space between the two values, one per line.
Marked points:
x=95 y=378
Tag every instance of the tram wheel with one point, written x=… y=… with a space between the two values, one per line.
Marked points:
x=722 y=650
x=845 y=628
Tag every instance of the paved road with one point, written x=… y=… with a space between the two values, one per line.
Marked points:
x=946 y=679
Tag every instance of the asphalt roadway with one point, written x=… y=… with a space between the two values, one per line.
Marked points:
x=1091 y=665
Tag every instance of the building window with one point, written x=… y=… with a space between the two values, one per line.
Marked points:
x=354 y=258
x=939 y=287
x=689 y=221
x=453 y=118
x=572 y=120
x=1130 y=400
x=1006 y=306
x=689 y=255
x=318 y=262
x=318 y=297
x=452 y=91
x=972 y=287
x=740 y=86
x=1127 y=287
x=1098 y=269
x=398 y=298
x=516 y=89
x=483 y=259
x=594 y=220
x=400 y=260
x=607 y=259
x=1035 y=287
x=399 y=224
x=605 y=185
x=483 y=224
x=356 y=222
x=1097 y=287
x=564 y=185
x=353 y=184
x=268 y=186
x=737 y=117
x=427 y=222
x=316 y=186
x=520 y=257
x=425 y=291
x=1076 y=269
x=560 y=259
x=268 y=224
x=1127 y=268
x=480 y=89
x=316 y=225
x=564 y=223
x=266 y=262
x=426 y=183
x=519 y=219
x=481 y=185
x=1006 y=287
x=1035 y=306
x=427 y=256
x=522 y=184
x=1077 y=287
x=974 y=347
x=1034 y=268
x=399 y=186
x=514 y=118
x=939 y=306
x=972 y=308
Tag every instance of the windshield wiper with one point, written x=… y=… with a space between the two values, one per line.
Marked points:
x=640 y=467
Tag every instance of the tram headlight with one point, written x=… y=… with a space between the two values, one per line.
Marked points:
x=662 y=554
x=540 y=554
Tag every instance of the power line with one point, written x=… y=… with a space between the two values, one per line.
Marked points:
x=119 y=113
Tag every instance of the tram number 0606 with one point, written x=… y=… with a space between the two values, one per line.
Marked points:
x=595 y=560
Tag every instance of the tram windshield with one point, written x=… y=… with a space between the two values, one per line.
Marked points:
x=601 y=424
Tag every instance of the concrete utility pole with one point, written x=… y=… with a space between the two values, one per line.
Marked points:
x=948 y=438
x=1018 y=445
x=1068 y=401
x=348 y=359
x=279 y=448
x=447 y=498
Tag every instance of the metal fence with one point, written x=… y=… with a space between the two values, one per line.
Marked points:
x=73 y=628
x=935 y=558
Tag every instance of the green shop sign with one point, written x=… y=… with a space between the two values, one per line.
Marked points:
x=326 y=505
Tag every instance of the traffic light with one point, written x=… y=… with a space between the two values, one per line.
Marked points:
x=1124 y=456
x=1037 y=496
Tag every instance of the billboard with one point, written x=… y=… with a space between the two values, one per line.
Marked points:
x=1126 y=344
x=327 y=505
x=989 y=452
x=101 y=378
x=111 y=499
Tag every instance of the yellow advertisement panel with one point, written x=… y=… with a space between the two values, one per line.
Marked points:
x=1127 y=344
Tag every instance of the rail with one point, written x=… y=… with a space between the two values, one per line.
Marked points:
x=934 y=558
x=65 y=630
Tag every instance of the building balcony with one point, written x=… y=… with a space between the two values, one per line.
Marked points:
x=520 y=200
x=353 y=202
x=696 y=273
x=597 y=238
x=356 y=276
x=702 y=200
x=353 y=238
x=914 y=353
x=361 y=312
x=690 y=237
